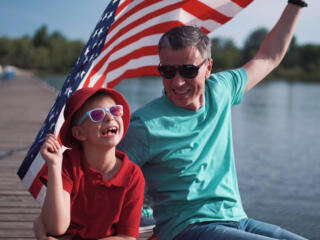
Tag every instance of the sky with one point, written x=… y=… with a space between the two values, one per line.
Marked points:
x=76 y=19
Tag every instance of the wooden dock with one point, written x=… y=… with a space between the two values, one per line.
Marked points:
x=24 y=104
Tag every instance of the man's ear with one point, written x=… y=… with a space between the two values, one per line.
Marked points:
x=78 y=133
x=209 y=67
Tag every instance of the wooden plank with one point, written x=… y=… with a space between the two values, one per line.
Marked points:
x=27 y=225
x=18 y=217
x=16 y=234
x=15 y=210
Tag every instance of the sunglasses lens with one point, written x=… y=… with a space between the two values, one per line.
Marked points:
x=97 y=115
x=167 y=71
x=188 y=71
x=116 y=111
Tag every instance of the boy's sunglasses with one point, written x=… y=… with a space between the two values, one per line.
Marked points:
x=98 y=114
x=186 y=70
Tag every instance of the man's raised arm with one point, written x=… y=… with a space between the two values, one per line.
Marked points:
x=275 y=45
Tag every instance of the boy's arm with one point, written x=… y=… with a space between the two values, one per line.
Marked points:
x=56 y=207
x=274 y=47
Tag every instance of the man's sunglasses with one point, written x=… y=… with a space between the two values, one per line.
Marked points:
x=186 y=70
x=98 y=114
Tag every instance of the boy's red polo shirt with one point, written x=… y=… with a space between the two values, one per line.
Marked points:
x=101 y=208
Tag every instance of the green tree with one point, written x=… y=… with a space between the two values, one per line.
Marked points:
x=41 y=59
x=291 y=59
x=40 y=38
x=24 y=52
x=225 y=54
x=7 y=49
x=253 y=43
x=310 y=58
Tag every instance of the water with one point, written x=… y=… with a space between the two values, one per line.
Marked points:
x=276 y=138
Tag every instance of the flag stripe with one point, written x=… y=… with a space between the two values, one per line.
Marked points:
x=204 y=12
x=242 y=3
x=146 y=70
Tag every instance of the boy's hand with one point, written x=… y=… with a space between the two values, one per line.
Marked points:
x=51 y=150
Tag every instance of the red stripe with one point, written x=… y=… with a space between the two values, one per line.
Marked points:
x=141 y=52
x=203 y=12
x=242 y=3
x=122 y=6
x=37 y=184
x=143 y=71
x=137 y=8
x=87 y=82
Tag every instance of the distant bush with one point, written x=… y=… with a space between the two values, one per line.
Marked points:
x=43 y=52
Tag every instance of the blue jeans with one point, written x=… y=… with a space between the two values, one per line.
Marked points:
x=246 y=229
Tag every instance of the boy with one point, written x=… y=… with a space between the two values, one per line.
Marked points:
x=93 y=190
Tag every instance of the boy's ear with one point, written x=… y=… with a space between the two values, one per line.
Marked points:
x=78 y=133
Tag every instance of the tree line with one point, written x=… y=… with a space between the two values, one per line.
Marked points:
x=53 y=53
x=44 y=52
x=301 y=62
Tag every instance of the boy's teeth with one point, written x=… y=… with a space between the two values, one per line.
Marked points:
x=110 y=131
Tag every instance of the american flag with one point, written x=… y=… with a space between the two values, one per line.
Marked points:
x=124 y=45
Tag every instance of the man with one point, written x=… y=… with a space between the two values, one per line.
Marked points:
x=183 y=140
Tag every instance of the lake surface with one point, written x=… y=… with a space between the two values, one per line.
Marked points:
x=276 y=132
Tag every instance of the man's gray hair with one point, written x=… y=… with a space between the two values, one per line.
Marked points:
x=186 y=36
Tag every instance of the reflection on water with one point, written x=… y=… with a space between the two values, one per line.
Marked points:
x=276 y=138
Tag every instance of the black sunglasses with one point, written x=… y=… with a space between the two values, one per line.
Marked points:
x=186 y=70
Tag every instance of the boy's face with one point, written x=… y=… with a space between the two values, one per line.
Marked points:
x=106 y=133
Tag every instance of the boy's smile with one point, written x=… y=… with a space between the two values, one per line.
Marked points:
x=110 y=131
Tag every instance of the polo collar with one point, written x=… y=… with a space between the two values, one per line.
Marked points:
x=121 y=178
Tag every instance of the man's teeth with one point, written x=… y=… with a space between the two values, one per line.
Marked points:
x=181 y=92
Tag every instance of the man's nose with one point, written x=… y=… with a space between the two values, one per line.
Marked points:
x=178 y=80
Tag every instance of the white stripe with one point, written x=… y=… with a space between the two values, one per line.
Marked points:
x=33 y=170
x=59 y=122
x=149 y=40
x=227 y=8
x=41 y=195
x=133 y=64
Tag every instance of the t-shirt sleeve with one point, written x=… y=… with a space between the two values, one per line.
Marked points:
x=135 y=143
x=129 y=221
x=235 y=81
x=66 y=175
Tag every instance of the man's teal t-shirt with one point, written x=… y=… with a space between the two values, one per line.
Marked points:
x=187 y=156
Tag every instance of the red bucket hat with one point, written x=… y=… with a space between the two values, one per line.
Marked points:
x=77 y=100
